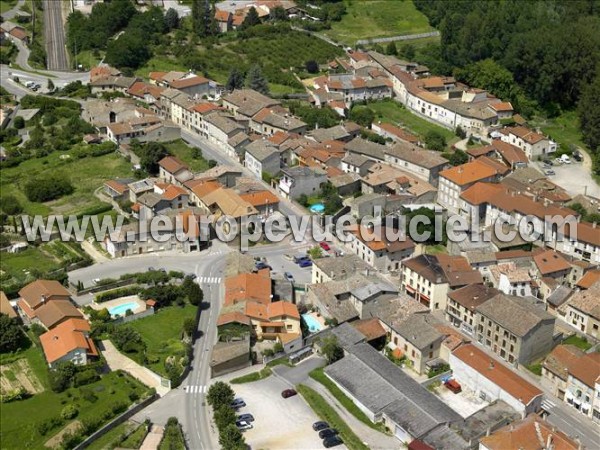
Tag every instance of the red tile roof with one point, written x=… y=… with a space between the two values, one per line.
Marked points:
x=189 y=82
x=468 y=173
x=66 y=337
x=497 y=373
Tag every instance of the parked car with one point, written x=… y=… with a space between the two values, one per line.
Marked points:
x=332 y=441
x=305 y=263
x=320 y=425
x=550 y=172
x=246 y=417
x=548 y=161
x=191 y=276
x=565 y=159
x=299 y=258
x=453 y=386
x=558 y=161
x=288 y=276
x=29 y=84
x=325 y=246
x=288 y=393
x=243 y=425
x=238 y=403
x=327 y=432
x=262 y=265
x=577 y=156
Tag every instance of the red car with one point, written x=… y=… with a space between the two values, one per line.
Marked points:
x=288 y=393
x=453 y=386
x=325 y=246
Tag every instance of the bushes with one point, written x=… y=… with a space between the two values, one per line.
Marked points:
x=173 y=436
x=117 y=293
x=49 y=188
x=84 y=377
x=47 y=425
x=69 y=412
x=127 y=340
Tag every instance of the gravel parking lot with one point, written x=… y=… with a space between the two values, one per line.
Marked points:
x=279 y=423
x=575 y=178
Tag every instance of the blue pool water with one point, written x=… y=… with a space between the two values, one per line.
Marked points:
x=312 y=323
x=317 y=208
x=120 y=310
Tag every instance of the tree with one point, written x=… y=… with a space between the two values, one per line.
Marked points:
x=331 y=349
x=315 y=252
x=278 y=13
x=50 y=85
x=150 y=154
x=458 y=157
x=435 y=141
x=131 y=50
x=312 y=66
x=11 y=336
x=408 y=51
x=189 y=326
x=10 y=205
x=579 y=209
x=391 y=48
x=235 y=80
x=362 y=115
x=49 y=187
x=251 y=19
x=171 y=19
x=192 y=291
x=220 y=394
x=231 y=438
x=19 y=123
x=589 y=117
x=256 y=81
x=62 y=376
x=224 y=416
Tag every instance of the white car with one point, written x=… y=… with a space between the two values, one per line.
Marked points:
x=96 y=280
x=243 y=425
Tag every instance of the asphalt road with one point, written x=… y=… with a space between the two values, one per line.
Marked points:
x=54 y=32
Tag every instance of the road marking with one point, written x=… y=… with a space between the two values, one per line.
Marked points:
x=209 y=280
x=195 y=389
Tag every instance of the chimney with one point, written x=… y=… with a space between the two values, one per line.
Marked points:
x=549 y=442
x=44 y=298
x=491 y=364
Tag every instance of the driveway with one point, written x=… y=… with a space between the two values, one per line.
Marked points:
x=279 y=423
x=576 y=178
x=299 y=373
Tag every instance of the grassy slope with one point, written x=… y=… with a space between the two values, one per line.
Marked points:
x=378 y=18
x=183 y=151
x=19 y=418
x=85 y=174
x=162 y=333
x=273 y=52
x=393 y=112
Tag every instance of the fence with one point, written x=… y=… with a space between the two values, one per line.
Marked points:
x=405 y=37
x=102 y=287
x=131 y=318
x=117 y=421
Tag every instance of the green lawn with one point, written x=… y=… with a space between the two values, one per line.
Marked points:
x=436 y=249
x=183 y=151
x=87 y=59
x=7 y=5
x=393 y=112
x=110 y=439
x=254 y=376
x=86 y=175
x=135 y=439
x=378 y=18
x=20 y=418
x=320 y=376
x=575 y=340
x=159 y=64
x=563 y=129
x=162 y=334
x=18 y=265
x=328 y=414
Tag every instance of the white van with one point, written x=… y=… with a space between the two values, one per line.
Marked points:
x=565 y=159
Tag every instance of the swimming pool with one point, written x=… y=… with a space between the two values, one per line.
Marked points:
x=120 y=310
x=312 y=323
x=317 y=208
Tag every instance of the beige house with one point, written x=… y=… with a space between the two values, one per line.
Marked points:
x=460 y=310
x=429 y=278
x=514 y=328
x=555 y=369
x=583 y=311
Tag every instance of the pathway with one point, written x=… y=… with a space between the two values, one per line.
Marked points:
x=153 y=438
x=404 y=37
x=94 y=253
x=118 y=361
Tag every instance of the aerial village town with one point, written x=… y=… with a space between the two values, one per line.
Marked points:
x=131 y=339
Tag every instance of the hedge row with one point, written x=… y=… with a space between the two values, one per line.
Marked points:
x=117 y=293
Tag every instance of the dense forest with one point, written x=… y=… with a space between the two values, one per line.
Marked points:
x=543 y=55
